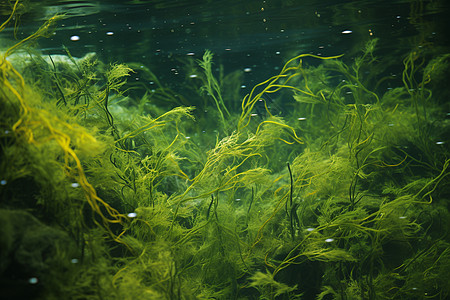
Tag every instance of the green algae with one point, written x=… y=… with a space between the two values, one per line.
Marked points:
x=351 y=204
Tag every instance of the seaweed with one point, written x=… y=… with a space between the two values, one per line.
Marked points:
x=135 y=201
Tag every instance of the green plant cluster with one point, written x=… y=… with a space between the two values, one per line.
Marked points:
x=105 y=196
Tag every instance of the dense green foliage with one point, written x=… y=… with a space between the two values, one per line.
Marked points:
x=346 y=196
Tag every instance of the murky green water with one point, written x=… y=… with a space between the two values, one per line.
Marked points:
x=260 y=35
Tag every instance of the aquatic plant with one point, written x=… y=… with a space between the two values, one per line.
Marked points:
x=350 y=203
x=212 y=87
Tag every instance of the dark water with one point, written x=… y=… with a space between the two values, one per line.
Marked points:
x=257 y=36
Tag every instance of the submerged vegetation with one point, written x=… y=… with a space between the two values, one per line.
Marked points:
x=104 y=196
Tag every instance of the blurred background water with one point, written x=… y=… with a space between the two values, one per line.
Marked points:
x=254 y=36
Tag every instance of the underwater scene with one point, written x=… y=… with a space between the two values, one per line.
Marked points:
x=268 y=149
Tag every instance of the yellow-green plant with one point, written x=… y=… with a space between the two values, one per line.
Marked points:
x=212 y=88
